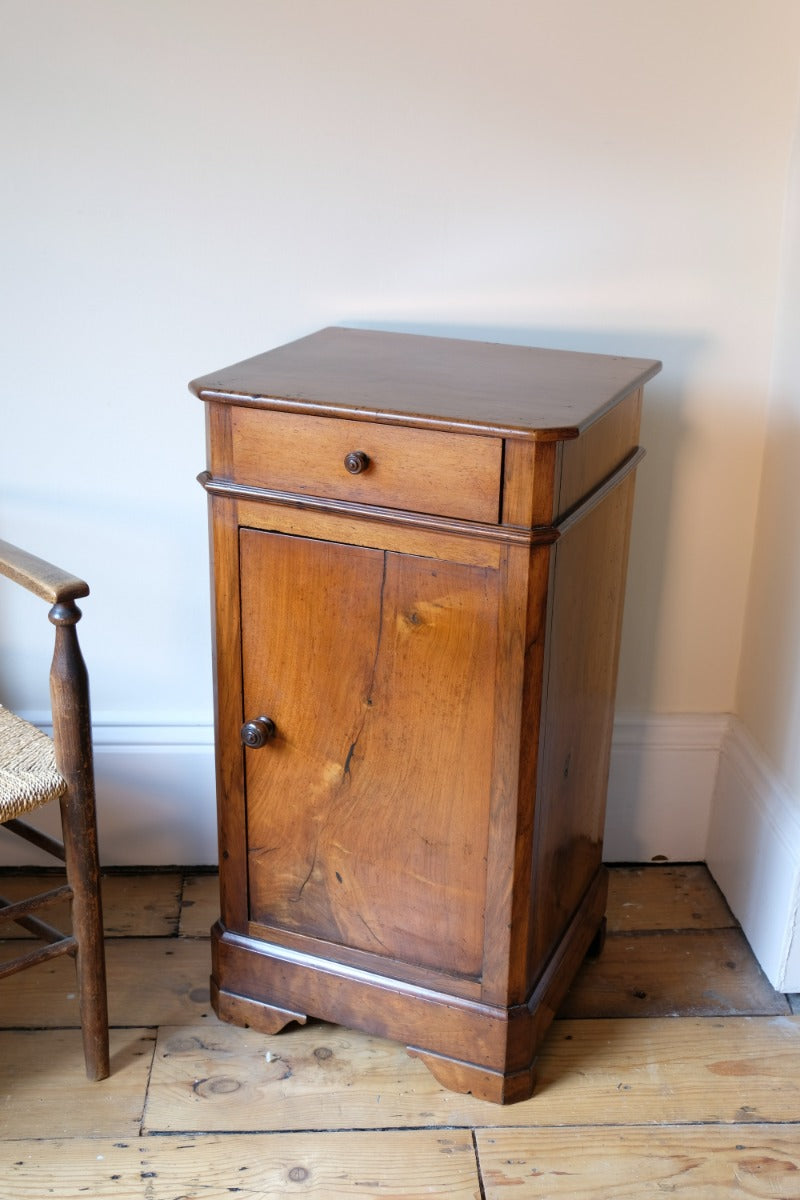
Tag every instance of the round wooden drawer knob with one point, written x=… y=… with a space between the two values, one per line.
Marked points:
x=356 y=461
x=258 y=732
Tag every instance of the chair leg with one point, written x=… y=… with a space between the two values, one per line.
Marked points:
x=83 y=874
x=69 y=688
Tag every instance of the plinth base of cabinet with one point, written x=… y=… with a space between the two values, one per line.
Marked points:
x=454 y=1074
x=495 y=1086
x=252 y=1014
x=467 y=1045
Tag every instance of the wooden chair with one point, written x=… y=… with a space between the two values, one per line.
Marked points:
x=35 y=770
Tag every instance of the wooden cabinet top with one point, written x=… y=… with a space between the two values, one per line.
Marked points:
x=440 y=383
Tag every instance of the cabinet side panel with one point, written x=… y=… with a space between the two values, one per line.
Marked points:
x=589 y=569
x=591 y=458
x=367 y=814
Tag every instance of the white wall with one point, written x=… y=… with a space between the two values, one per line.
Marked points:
x=189 y=182
x=754 y=843
x=769 y=683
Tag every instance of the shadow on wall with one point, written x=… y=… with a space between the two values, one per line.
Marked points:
x=769 y=684
x=663 y=431
x=632 y=833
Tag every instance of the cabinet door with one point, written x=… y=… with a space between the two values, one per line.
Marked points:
x=367 y=813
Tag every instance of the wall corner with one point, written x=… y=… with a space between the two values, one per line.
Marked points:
x=753 y=852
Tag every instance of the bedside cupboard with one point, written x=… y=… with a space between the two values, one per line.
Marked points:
x=419 y=550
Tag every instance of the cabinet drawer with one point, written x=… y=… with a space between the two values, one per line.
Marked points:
x=421 y=470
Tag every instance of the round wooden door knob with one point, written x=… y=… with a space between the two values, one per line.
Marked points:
x=356 y=461
x=258 y=732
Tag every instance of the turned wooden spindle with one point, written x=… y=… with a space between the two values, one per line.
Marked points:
x=72 y=738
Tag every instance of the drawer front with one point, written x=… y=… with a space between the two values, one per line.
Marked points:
x=420 y=470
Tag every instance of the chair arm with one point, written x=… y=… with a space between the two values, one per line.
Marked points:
x=38 y=576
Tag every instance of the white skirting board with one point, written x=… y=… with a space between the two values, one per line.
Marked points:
x=660 y=787
x=754 y=855
x=684 y=788
x=155 y=786
x=155 y=798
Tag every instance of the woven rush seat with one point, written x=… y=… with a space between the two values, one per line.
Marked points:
x=29 y=776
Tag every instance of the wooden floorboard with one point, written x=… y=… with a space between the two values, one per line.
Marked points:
x=683 y=896
x=151 y=981
x=392 y=1165
x=630 y=1102
x=696 y=973
x=587 y=1163
x=620 y=1072
x=45 y=1092
x=133 y=905
x=200 y=907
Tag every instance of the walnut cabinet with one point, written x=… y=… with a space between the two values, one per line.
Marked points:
x=419 y=552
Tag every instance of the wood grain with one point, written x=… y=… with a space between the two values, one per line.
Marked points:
x=665 y=897
x=627 y=1073
x=133 y=905
x=363 y=858
x=392 y=1165
x=584 y=624
x=420 y=470
x=698 y=973
x=665 y=1071
x=417 y=852
x=315 y=1077
x=43 y=1091
x=640 y=899
x=228 y=710
x=441 y=383
x=199 y=905
x=360 y=529
x=588 y=460
x=141 y=905
x=43 y=578
x=151 y=981
x=586 y=1163
x=702 y=1108
x=519 y=480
